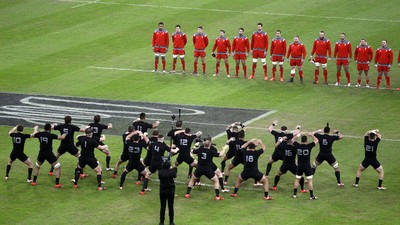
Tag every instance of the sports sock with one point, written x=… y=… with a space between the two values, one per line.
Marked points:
x=195 y=67
x=145 y=184
x=273 y=72
x=139 y=176
x=313 y=170
x=203 y=65
x=183 y=64
x=301 y=73
x=301 y=183
x=217 y=68
x=326 y=76
x=269 y=167
x=380 y=183
x=253 y=69
x=99 y=180
x=77 y=175
x=236 y=190
x=348 y=77
x=8 y=168
x=221 y=183
x=266 y=194
x=163 y=63
x=316 y=74
x=121 y=182
x=57 y=180
x=174 y=64
x=30 y=173
x=237 y=70
x=338 y=77
x=265 y=70
x=245 y=70
x=358 y=81
x=156 y=64
x=295 y=191
x=51 y=169
x=190 y=170
x=276 y=180
x=223 y=164
x=311 y=193
x=227 y=68
x=216 y=192
x=357 y=180
x=226 y=178
x=387 y=81
x=34 y=178
x=188 y=190
x=108 y=159
x=281 y=71
x=337 y=174
x=378 y=82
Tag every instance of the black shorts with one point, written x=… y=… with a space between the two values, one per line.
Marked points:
x=124 y=157
x=71 y=149
x=292 y=167
x=237 y=160
x=206 y=171
x=185 y=158
x=50 y=157
x=147 y=160
x=136 y=165
x=277 y=155
x=88 y=160
x=214 y=167
x=304 y=169
x=154 y=166
x=255 y=174
x=230 y=154
x=321 y=157
x=18 y=155
x=370 y=162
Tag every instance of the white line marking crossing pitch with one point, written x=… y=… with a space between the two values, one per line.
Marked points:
x=231 y=11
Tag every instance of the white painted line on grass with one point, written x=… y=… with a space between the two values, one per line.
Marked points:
x=234 y=11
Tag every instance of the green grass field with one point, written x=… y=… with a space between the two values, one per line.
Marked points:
x=63 y=47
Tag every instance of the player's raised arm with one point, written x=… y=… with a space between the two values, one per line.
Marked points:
x=271 y=128
x=312 y=134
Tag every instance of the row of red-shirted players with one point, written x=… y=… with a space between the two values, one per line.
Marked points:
x=241 y=48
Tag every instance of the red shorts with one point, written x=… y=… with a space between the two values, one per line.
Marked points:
x=383 y=69
x=199 y=54
x=362 y=67
x=221 y=56
x=340 y=62
x=258 y=54
x=240 y=57
x=277 y=59
x=296 y=62
x=321 y=60
x=160 y=50
x=178 y=52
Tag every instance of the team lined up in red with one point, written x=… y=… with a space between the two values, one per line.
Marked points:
x=295 y=54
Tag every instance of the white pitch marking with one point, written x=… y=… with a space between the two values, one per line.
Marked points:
x=119 y=69
x=236 y=11
x=84 y=4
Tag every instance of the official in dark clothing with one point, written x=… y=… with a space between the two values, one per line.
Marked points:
x=167 y=190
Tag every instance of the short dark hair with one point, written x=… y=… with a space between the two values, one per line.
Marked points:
x=67 y=119
x=166 y=164
x=241 y=29
x=88 y=130
x=241 y=135
x=222 y=31
x=327 y=129
x=279 y=31
x=187 y=130
x=130 y=129
x=283 y=128
x=97 y=118
x=136 y=137
x=304 y=138
x=259 y=24
x=251 y=146
x=201 y=27
x=142 y=115
x=155 y=132
x=372 y=135
x=20 y=128
x=322 y=31
x=161 y=23
x=160 y=136
x=178 y=26
x=179 y=123
x=47 y=126
x=343 y=34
